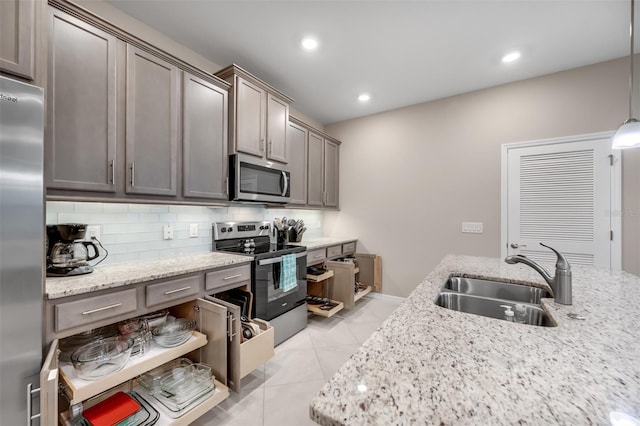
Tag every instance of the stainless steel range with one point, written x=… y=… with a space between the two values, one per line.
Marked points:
x=276 y=297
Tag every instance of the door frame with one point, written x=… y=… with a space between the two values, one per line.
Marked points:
x=615 y=202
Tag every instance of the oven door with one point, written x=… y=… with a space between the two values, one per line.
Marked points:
x=253 y=179
x=270 y=299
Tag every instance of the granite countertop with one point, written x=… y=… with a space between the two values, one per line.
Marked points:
x=431 y=365
x=104 y=277
x=316 y=243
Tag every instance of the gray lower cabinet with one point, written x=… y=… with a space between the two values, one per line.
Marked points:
x=331 y=172
x=17 y=41
x=204 y=139
x=315 y=168
x=80 y=148
x=151 y=124
x=297 y=147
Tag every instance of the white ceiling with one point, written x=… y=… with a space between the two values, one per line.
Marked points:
x=401 y=52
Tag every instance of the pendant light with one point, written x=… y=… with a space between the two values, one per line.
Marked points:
x=628 y=135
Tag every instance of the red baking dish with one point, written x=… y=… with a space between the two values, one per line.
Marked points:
x=117 y=407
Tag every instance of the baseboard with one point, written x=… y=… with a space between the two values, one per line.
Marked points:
x=386 y=297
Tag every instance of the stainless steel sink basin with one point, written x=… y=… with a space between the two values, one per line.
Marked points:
x=495 y=289
x=491 y=307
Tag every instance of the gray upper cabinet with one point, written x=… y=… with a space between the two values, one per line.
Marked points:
x=277 y=124
x=250 y=117
x=315 y=177
x=297 y=154
x=17 y=41
x=258 y=116
x=331 y=172
x=151 y=124
x=80 y=148
x=204 y=139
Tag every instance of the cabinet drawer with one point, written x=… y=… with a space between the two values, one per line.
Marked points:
x=86 y=311
x=257 y=350
x=172 y=290
x=316 y=256
x=349 y=248
x=334 y=251
x=225 y=277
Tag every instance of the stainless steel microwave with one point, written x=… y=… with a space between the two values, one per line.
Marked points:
x=254 y=179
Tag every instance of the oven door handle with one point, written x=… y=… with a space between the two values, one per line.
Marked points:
x=278 y=259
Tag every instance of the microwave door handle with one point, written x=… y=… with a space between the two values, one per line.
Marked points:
x=286 y=182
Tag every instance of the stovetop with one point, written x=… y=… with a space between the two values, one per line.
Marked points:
x=249 y=239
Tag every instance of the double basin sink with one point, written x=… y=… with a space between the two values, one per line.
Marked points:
x=490 y=298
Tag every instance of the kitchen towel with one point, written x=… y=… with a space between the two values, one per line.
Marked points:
x=288 y=280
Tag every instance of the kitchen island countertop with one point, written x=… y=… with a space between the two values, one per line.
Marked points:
x=104 y=277
x=431 y=365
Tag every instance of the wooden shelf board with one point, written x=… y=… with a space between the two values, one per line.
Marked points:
x=361 y=293
x=79 y=389
x=318 y=278
x=315 y=309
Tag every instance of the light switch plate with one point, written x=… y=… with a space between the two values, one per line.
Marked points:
x=167 y=233
x=472 y=227
x=193 y=230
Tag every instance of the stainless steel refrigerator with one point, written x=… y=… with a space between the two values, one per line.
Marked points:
x=21 y=249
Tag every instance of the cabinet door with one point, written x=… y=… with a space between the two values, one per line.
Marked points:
x=316 y=169
x=277 y=123
x=204 y=139
x=16 y=43
x=297 y=147
x=212 y=321
x=152 y=124
x=49 y=378
x=234 y=334
x=331 y=173
x=250 y=117
x=80 y=150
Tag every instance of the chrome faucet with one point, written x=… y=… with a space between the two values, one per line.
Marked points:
x=560 y=284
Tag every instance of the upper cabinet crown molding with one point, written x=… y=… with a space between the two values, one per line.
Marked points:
x=228 y=72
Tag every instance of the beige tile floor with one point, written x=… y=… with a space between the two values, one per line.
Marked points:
x=279 y=392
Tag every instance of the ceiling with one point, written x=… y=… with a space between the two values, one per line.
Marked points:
x=401 y=52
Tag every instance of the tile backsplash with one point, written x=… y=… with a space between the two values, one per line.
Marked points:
x=133 y=232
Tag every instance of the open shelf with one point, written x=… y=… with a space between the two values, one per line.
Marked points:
x=321 y=277
x=220 y=393
x=315 y=309
x=78 y=389
x=361 y=293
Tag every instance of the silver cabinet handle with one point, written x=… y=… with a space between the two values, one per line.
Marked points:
x=104 y=308
x=286 y=183
x=232 y=277
x=177 y=290
x=230 y=321
x=261 y=144
x=270 y=149
x=30 y=392
x=133 y=170
x=515 y=245
x=112 y=171
x=226 y=185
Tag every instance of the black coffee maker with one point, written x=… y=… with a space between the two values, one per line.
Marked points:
x=67 y=253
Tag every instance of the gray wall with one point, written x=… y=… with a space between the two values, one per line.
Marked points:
x=409 y=177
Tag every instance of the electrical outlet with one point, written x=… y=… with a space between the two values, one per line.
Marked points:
x=193 y=230
x=472 y=227
x=93 y=231
x=167 y=232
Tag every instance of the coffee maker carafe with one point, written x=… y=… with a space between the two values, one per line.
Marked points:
x=67 y=253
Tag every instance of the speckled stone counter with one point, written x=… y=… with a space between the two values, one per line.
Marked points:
x=431 y=365
x=316 y=243
x=104 y=277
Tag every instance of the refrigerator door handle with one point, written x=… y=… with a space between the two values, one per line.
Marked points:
x=30 y=392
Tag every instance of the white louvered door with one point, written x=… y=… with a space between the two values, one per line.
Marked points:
x=560 y=194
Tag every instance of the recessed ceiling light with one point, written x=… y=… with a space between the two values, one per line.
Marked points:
x=309 y=43
x=511 y=56
x=364 y=97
